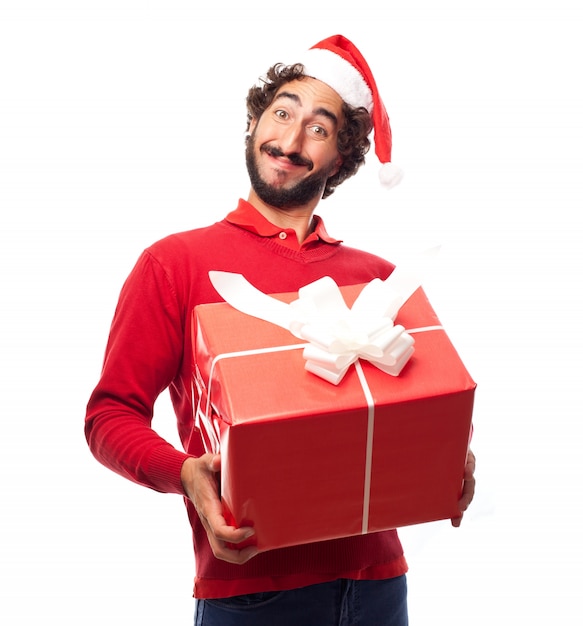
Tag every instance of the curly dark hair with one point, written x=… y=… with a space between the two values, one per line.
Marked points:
x=353 y=141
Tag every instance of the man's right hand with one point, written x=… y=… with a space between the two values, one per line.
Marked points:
x=200 y=482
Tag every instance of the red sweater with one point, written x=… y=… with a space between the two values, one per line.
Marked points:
x=149 y=350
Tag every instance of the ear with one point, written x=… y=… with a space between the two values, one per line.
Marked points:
x=252 y=125
x=338 y=165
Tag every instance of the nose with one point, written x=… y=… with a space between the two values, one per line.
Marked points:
x=290 y=140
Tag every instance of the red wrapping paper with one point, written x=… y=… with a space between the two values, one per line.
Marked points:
x=294 y=447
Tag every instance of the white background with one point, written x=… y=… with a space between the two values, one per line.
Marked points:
x=121 y=122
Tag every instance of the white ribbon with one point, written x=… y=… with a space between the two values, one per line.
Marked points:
x=338 y=336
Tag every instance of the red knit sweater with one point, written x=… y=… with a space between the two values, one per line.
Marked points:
x=149 y=350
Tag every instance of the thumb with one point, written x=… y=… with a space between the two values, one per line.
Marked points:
x=215 y=463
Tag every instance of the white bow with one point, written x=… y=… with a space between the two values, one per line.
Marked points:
x=338 y=336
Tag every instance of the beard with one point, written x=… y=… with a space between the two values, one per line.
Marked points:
x=299 y=194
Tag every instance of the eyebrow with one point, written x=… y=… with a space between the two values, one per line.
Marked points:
x=319 y=111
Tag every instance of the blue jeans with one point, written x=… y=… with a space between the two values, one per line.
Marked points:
x=338 y=603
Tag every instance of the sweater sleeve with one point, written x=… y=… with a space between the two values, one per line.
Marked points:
x=143 y=355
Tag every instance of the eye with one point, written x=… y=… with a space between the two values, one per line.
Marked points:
x=281 y=114
x=320 y=131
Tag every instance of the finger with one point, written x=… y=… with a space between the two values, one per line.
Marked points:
x=468 y=492
x=465 y=501
x=214 y=463
x=456 y=521
x=468 y=489
x=231 y=555
x=224 y=539
x=219 y=528
x=470 y=467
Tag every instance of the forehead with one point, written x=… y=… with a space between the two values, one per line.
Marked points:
x=311 y=94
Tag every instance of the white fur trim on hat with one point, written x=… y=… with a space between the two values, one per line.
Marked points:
x=337 y=73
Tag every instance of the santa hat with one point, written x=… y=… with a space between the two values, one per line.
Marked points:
x=337 y=62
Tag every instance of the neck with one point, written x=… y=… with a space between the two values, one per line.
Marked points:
x=299 y=219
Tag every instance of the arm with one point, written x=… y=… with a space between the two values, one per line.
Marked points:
x=144 y=354
x=142 y=358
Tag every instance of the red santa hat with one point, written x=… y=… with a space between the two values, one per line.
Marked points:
x=337 y=62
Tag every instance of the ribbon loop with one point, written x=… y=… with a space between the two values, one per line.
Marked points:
x=338 y=335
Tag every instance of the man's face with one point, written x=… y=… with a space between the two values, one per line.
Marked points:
x=292 y=150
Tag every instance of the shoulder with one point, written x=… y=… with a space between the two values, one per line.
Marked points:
x=185 y=240
x=367 y=264
x=190 y=246
x=179 y=263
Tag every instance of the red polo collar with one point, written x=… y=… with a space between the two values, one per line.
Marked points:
x=248 y=217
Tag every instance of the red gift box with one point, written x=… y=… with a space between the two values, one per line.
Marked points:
x=303 y=460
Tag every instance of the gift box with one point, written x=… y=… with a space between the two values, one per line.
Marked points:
x=304 y=460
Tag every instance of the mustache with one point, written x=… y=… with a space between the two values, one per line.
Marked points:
x=294 y=157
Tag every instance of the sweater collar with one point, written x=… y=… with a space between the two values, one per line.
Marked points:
x=248 y=217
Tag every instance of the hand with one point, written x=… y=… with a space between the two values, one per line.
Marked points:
x=468 y=489
x=199 y=478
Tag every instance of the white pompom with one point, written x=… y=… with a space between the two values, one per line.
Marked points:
x=390 y=175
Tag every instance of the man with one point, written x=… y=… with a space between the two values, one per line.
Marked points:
x=308 y=126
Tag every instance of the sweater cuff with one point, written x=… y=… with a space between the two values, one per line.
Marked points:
x=164 y=471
